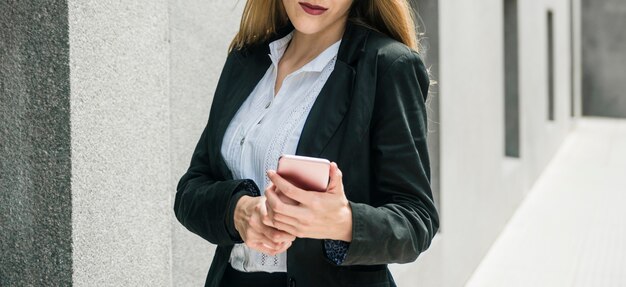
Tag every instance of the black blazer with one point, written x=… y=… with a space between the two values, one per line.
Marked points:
x=370 y=118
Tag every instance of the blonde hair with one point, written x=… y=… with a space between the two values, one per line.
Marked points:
x=394 y=18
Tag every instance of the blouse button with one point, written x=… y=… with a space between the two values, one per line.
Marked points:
x=268 y=105
x=242 y=140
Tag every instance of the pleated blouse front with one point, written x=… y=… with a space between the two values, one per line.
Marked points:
x=265 y=127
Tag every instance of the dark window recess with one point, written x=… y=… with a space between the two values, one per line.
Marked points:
x=572 y=59
x=550 y=27
x=511 y=80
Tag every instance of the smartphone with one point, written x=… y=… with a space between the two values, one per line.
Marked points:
x=309 y=173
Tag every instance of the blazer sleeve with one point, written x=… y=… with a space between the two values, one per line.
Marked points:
x=205 y=205
x=402 y=219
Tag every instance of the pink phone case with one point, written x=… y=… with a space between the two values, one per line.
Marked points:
x=308 y=173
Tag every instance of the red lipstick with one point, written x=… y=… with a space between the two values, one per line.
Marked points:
x=312 y=9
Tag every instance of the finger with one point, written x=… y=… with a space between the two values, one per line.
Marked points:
x=277 y=236
x=290 y=190
x=270 y=186
x=273 y=217
x=266 y=232
x=280 y=207
x=286 y=199
x=261 y=208
x=264 y=213
x=256 y=237
x=269 y=218
x=288 y=228
x=262 y=248
x=285 y=245
x=281 y=247
x=336 y=178
x=261 y=237
x=285 y=219
x=256 y=230
x=270 y=233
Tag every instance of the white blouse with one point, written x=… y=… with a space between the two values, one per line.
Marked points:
x=265 y=127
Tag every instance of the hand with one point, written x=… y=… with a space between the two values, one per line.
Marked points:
x=249 y=214
x=309 y=214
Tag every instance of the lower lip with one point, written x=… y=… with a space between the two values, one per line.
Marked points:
x=312 y=11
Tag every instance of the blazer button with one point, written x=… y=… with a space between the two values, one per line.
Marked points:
x=292 y=282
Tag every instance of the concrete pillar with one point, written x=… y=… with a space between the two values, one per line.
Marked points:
x=102 y=103
x=35 y=163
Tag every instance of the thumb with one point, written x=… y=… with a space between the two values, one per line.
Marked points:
x=263 y=206
x=336 y=178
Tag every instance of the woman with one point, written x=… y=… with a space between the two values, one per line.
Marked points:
x=336 y=79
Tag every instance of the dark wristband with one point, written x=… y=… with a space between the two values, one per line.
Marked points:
x=336 y=250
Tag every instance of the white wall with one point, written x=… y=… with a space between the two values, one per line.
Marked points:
x=119 y=95
x=154 y=65
x=200 y=34
x=480 y=188
x=142 y=81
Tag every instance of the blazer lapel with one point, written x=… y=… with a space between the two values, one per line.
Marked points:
x=327 y=112
x=329 y=108
x=334 y=99
x=253 y=68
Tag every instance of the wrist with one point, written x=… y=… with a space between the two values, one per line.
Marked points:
x=345 y=224
x=240 y=211
x=233 y=225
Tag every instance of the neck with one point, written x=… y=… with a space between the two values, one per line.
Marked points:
x=306 y=46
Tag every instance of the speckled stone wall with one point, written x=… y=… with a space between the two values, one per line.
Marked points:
x=200 y=32
x=35 y=193
x=120 y=119
x=87 y=192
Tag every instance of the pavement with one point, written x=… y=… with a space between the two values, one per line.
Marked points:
x=570 y=230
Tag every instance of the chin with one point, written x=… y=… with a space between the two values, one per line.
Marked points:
x=311 y=20
x=307 y=27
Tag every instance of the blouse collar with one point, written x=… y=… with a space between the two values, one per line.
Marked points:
x=278 y=47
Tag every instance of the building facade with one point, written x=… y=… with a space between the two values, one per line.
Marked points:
x=103 y=102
